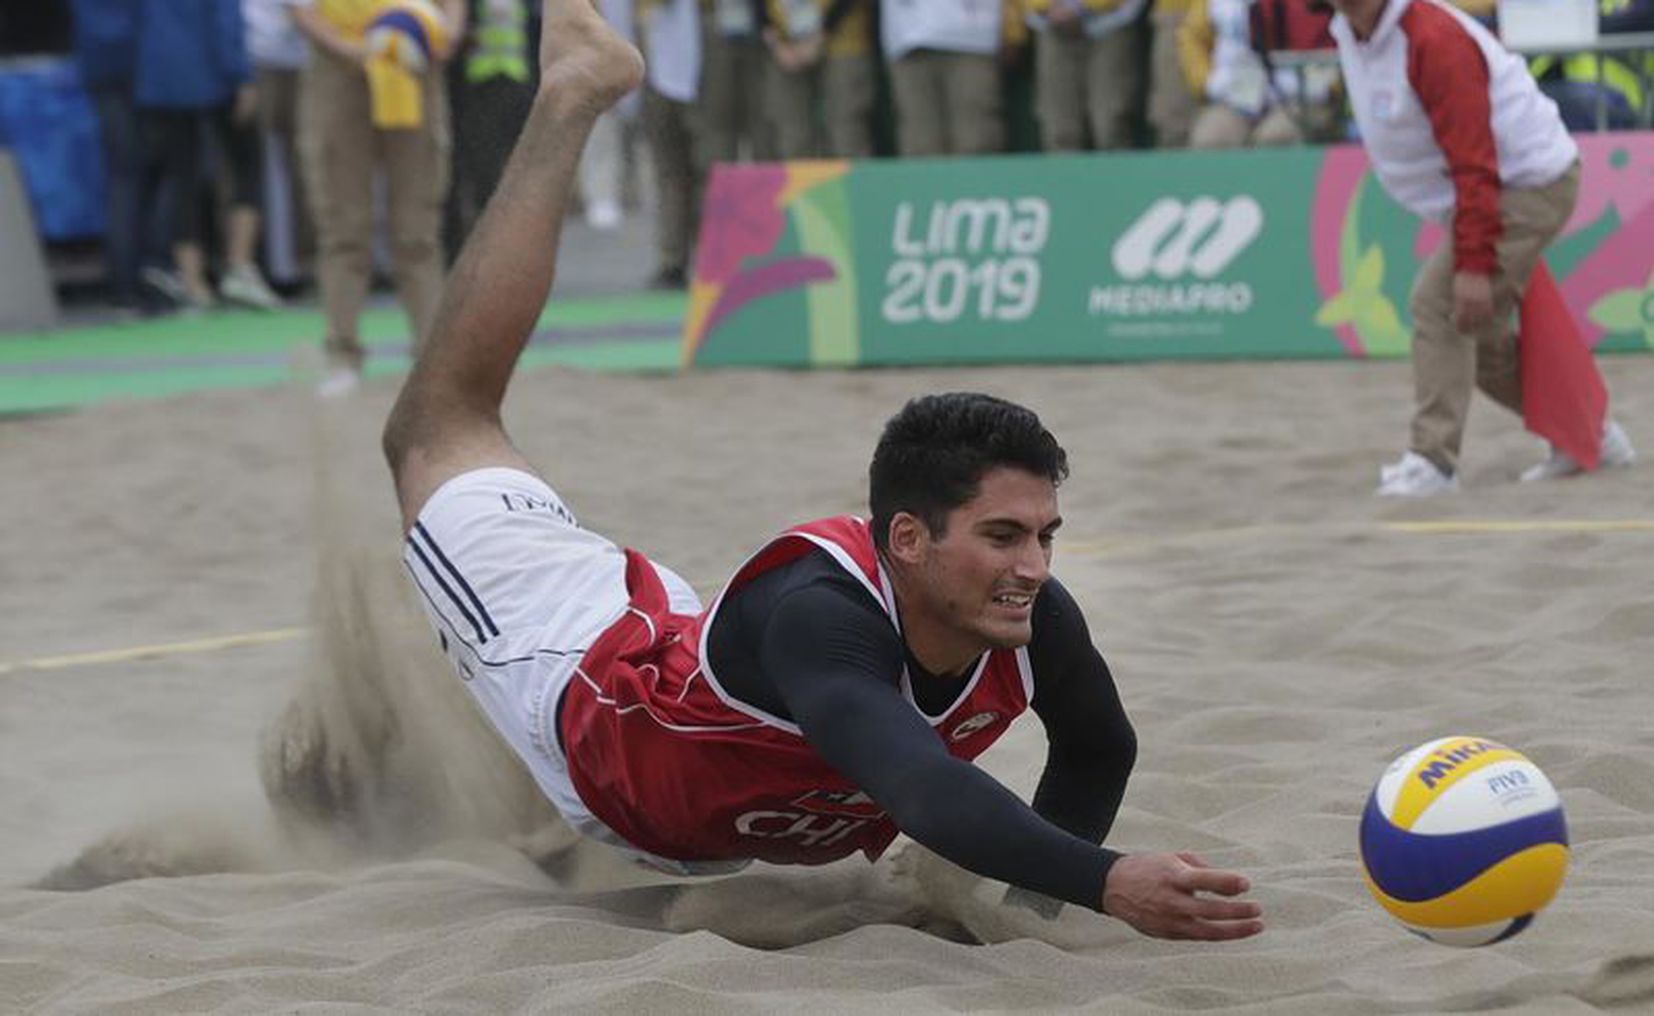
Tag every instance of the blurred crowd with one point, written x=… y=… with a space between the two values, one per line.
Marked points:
x=263 y=123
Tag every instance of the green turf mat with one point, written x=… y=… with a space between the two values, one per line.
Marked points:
x=159 y=357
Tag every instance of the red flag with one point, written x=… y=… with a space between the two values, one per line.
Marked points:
x=1563 y=397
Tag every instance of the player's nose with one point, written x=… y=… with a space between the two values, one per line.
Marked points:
x=1033 y=563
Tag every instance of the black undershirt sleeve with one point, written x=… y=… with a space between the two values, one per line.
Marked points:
x=832 y=661
x=1092 y=744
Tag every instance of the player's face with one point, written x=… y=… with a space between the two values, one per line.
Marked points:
x=985 y=570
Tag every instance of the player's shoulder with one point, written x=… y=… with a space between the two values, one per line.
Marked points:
x=814 y=581
x=813 y=601
x=1061 y=634
x=1055 y=607
x=828 y=581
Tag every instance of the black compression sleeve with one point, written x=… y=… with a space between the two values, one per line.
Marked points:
x=1092 y=744
x=832 y=660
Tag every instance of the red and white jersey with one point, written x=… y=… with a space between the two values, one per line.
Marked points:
x=1448 y=115
x=671 y=763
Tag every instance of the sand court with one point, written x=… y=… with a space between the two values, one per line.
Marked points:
x=177 y=572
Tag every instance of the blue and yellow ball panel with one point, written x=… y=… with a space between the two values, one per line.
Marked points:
x=1459 y=880
x=1463 y=841
x=407 y=24
x=1414 y=867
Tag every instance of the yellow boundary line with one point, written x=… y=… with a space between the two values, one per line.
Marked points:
x=1095 y=548
x=1471 y=526
x=253 y=638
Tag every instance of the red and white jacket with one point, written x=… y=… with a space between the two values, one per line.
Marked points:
x=672 y=764
x=1449 y=116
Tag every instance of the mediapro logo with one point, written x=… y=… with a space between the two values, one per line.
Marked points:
x=1167 y=265
x=1173 y=239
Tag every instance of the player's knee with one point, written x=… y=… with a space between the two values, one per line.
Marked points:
x=398 y=436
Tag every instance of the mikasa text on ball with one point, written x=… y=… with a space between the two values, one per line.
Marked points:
x=1463 y=841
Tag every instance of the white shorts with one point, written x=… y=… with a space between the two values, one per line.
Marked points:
x=517 y=592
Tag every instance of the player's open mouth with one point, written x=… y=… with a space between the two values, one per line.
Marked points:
x=1015 y=601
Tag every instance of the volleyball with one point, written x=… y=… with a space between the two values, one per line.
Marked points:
x=407 y=32
x=1463 y=841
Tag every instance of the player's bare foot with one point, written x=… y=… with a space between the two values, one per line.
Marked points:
x=582 y=59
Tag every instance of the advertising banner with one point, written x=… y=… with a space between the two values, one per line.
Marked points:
x=1288 y=254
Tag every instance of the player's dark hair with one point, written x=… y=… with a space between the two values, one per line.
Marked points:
x=934 y=453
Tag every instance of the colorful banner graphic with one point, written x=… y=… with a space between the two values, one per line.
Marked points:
x=1293 y=253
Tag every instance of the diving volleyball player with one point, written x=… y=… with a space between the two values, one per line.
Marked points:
x=838 y=688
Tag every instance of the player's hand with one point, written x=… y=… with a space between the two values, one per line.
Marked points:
x=1171 y=896
x=1472 y=302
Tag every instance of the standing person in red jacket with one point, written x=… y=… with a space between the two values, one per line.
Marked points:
x=840 y=686
x=1458 y=131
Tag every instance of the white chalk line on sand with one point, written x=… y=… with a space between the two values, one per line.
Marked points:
x=1092 y=548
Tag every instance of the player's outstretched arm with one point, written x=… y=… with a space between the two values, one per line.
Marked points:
x=447 y=419
x=826 y=659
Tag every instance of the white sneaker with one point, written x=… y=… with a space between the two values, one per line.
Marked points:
x=339 y=382
x=603 y=215
x=1413 y=475
x=244 y=285
x=1615 y=451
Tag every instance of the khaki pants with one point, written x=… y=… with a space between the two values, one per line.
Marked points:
x=1171 y=104
x=947 y=103
x=341 y=150
x=841 y=88
x=1220 y=126
x=1447 y=364
x=1087 y=84
x=289 y=237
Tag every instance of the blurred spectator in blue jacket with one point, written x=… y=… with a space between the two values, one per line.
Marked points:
x=106 y=52
x=192 y=60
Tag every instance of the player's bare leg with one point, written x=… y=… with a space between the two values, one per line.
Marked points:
x=324 y=756
x=447 y=418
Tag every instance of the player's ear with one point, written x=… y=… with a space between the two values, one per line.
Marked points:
x=909 y=537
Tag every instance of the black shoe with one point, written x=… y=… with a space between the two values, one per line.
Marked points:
x=159 y=292
x=669 y=278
